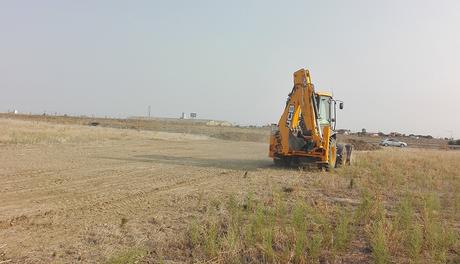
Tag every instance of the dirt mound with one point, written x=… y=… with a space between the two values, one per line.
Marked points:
x=362 y=145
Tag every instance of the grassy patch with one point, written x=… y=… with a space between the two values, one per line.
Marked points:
x=379 y=243
x=130 y=256
x=273 y=232
x=398 y=211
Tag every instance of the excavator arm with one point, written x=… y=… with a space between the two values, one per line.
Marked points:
x=301 y=106
x=304 y=132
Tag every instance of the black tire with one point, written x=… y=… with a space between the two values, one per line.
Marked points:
x=401 y=146
x=282 y=162
x=339 y=158
x=287 y=161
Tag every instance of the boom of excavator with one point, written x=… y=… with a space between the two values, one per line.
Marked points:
x=305 y=131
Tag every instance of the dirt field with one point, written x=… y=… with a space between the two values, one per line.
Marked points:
x=74 y=193
x=65 y=202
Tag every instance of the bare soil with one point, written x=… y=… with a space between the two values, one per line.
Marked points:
x=92 y=193
x=85 y=201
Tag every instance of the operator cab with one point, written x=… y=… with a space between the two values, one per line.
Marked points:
x=324 y=109
x=327 y=109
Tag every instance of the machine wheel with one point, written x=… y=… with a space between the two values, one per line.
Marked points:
x=339 y=159
x=282 y=161
x=287 y=161
x=385 y=145
x=278 y=162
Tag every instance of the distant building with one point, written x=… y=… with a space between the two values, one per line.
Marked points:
x=183 y=116
x=193 y=115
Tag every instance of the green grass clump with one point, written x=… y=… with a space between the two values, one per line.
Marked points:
x=402 y=209
x=211 y=242
x=300 y=231
x=315 y=247
x=414 y=243
x=379 y=242
x=194 y=233
x=343 y=232
x=438 y=238
x=274 y=232
x=130 y=256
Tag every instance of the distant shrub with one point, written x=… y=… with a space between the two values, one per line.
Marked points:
x=454 y=142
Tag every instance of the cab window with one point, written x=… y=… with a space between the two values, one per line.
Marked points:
x=324 y=110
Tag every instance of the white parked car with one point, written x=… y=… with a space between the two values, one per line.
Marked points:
x=392 y=142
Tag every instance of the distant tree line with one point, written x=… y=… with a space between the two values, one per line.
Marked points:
x=454 y=142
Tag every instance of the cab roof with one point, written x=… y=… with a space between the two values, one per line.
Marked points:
x=324 y=94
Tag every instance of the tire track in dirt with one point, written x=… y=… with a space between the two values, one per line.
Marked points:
x=86 y=202
x=70 y=200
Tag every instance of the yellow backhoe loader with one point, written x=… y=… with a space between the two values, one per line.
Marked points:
x=305 y=133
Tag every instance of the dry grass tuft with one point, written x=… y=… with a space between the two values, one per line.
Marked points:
x=28 y=132
x=130 y=256
x=404 y=214
x=276 y=232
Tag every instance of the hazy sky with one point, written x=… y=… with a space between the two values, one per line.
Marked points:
x=396 y=64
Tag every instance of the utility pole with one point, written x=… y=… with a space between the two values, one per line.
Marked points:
x=149 y=111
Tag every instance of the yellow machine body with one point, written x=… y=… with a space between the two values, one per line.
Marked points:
x=304 y=132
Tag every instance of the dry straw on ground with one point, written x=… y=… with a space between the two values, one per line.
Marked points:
x=79 y=193
x=407 y=211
